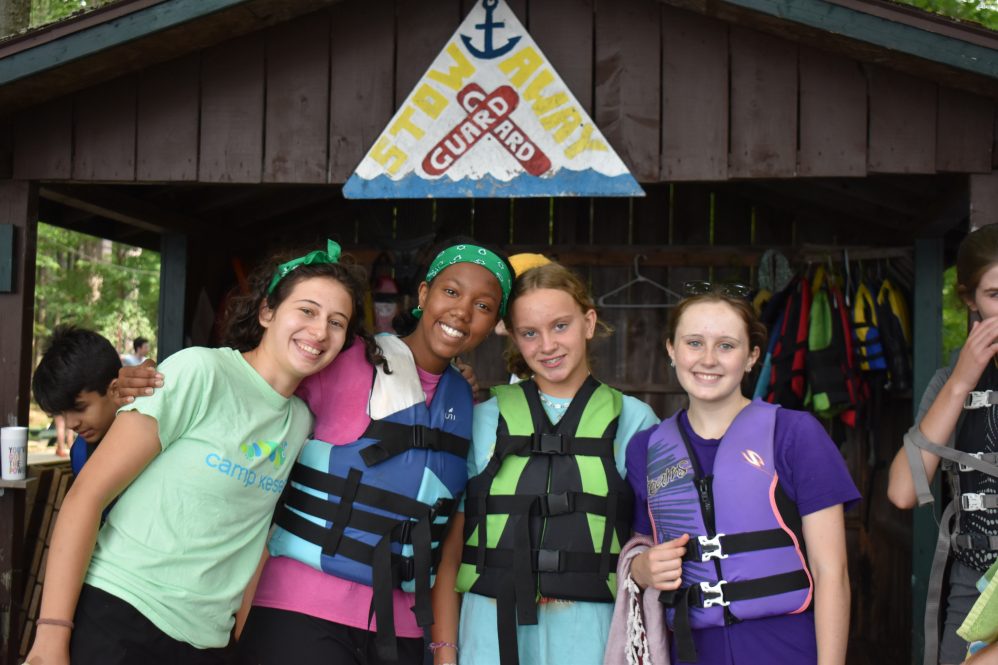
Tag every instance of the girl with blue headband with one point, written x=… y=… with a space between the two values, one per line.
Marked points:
x=199 y=467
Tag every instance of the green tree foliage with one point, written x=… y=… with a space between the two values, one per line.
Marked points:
x=954 y=316
x=93 y=283
x=48 y=11
x=983 y=12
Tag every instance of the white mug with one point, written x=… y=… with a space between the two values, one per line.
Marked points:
x=13 y=453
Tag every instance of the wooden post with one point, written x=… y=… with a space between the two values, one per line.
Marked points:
x=983 y=200
x=928 y=351
x=172 y=292
x=18 y=208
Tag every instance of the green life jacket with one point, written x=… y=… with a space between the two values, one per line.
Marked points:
x=536 y=518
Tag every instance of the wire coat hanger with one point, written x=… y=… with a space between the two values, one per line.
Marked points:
x=638 y=279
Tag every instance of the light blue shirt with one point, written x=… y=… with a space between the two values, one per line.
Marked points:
x=567 y=632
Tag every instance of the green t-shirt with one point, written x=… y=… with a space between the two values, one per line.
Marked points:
x=184 y=539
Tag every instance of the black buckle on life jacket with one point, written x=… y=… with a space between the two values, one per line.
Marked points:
x=418 y=440
x=405 y=532
x=406 y=569
x=557 y=504
x=547 y=444
x=550 y=561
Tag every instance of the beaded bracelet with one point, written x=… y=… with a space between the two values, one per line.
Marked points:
x=440 y=645
x=54 y=622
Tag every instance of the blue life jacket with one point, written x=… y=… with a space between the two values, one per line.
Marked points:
x=374 y=511
x=745 y=557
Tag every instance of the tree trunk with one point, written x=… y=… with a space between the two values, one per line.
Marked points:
x=15 y=15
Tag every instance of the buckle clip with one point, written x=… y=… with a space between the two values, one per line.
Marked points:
x=548 y=444
x=971 y=502
x=557 y=504
x=417 y=437
x=718 y=590
x=977 y=399
x=964 y=467
x=549 y=561
x=710 y=548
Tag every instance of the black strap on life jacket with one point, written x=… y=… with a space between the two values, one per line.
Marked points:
x=722 y=593
x=396 y=438
x=388 y=570
x=736 y=543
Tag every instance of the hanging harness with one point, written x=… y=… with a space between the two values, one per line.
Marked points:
x=969 y=507
x=374 y=511
x=745 y=558
x=548 y=514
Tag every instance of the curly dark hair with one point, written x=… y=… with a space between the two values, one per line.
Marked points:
x=242 y=330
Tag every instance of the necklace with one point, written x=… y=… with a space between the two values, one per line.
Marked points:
x=557 y=406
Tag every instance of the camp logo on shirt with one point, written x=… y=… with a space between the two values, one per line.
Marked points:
x=275 y=451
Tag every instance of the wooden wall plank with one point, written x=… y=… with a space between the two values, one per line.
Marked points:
x=18 y=207
x=983 y=200
x=571 y=220
x=763 y=106
x=453 y=217
x=167 y=130
x=104 y=134
x=832 y=115
x=531 y=221
x=492 y=220
x=965 y=132
x=423 y=29
x=694 y=96
x=563 y=29
x=43 y=141
x=519 y=8
x=902 y=123
x=6 y=147
x=362 y=70
x=628 y=83
x=296 y=110
x=232 y=83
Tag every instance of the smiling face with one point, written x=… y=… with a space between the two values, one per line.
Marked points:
x=552 y=333
x=304 y=333
x=985 y=300
x=711 y=352
x=460 y=308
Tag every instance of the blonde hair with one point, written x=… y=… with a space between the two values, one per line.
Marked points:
x=548 y=276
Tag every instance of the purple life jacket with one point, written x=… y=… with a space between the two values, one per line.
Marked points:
x=745 y=557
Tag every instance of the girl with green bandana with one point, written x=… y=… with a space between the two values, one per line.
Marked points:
x=352 y=557
x=199 y=467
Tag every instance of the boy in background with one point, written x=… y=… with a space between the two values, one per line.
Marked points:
x=77 y=379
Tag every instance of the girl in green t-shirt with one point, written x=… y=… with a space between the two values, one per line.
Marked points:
x=199 y=466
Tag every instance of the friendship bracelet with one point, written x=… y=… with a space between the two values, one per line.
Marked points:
x=440 y=645
x=55 y=622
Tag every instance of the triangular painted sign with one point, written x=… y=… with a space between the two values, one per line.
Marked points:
x=490 y=118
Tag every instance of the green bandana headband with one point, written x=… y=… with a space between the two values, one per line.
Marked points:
x=477 y=255
x=330 y=255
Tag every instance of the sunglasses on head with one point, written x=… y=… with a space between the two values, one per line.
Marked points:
x=698 y=288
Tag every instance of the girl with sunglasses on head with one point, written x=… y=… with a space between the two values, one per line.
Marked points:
x=547 y=507
x=199 y=467
x=741 y=504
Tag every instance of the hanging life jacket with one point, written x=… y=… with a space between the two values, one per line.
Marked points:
x=966 y=521
x=895 y=332
x=826 y=363
x=745 y=558
x=787 y=384
x=867 y=330
x=374 y=511
x=548 y=514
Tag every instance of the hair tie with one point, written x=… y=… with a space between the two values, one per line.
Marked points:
x=330 y=255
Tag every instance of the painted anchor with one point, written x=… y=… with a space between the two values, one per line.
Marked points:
x=489 y=51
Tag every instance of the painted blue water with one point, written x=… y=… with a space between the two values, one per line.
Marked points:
x=563 y=183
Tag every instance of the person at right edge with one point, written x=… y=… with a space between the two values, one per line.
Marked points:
x=957 y=428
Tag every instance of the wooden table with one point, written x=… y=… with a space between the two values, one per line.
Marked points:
x=12 y=564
